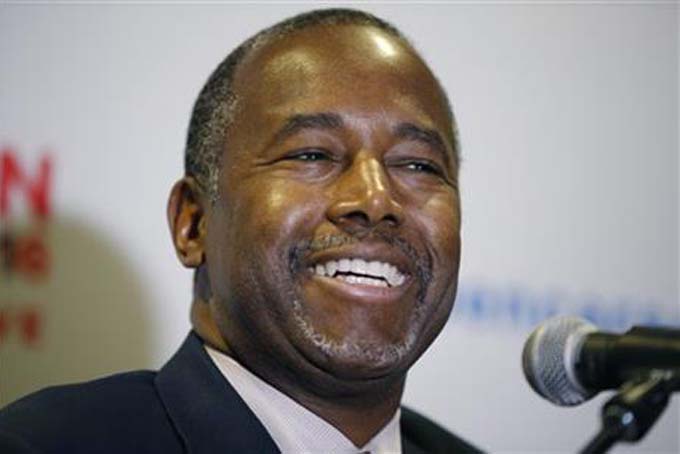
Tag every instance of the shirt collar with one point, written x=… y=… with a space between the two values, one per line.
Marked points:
x=293 y=428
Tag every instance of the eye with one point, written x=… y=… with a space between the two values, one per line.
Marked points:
x=309 y=154
x=423 y=167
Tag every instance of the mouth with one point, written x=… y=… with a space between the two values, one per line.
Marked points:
x=372 y=273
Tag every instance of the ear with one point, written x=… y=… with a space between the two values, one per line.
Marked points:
x=187 y=221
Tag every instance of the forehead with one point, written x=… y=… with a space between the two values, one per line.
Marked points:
x=328 y=68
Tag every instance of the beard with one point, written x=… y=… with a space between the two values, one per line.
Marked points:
x=377 y=355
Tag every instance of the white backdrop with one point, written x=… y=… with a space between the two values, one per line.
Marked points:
x=569 y=124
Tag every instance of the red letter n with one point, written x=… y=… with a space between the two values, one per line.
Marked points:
x=35 y=190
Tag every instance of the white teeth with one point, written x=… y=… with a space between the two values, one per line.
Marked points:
x=393 y=276
x=320 y=269
x=371 y=281
x=387 y=269
x=352 y=279
x=349 y=278
x=359 y=266
x=376 y=268
x=396 y=280
x=371 y=273
x=331 y=268
x=344 y=265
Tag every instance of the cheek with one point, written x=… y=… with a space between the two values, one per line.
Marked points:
x=274 y=214
x=258 y=225
x=441 y=220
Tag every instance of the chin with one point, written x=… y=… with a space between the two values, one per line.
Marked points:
x=355 y=359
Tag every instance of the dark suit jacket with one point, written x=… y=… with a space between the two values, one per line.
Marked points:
x=187 y=407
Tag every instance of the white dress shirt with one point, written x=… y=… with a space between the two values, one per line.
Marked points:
x=293 y=428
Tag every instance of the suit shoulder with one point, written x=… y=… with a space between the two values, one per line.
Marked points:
x=115 y=390
x=113 y=409
x=427 y=436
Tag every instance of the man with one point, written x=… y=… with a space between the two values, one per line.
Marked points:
x=320 y=211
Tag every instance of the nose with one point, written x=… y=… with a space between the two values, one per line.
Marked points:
x=363 y=196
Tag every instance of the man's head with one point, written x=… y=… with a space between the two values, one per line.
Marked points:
x=321 y=205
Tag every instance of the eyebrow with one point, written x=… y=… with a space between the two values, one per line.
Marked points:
x=410 y=131
x=297 y=123
x=333 y=121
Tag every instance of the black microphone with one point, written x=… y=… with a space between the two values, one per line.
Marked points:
x=567 y=360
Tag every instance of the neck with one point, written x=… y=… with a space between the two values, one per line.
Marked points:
x=357 y=409
x=204 y=324
x=358 y=417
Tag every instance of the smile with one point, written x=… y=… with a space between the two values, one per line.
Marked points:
x=359 y=271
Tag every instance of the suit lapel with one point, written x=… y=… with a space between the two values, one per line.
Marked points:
x=208 y=414
x=409 y=448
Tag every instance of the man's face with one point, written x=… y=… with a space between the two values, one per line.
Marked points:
x=335 y=243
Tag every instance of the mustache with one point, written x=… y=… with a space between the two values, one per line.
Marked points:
x=422 y=262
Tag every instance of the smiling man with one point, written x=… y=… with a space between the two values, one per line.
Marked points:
x=320 y=211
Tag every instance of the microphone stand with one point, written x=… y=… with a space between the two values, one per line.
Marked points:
x=630 y=414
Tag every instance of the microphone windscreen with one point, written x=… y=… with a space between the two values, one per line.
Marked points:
x=549 y=357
